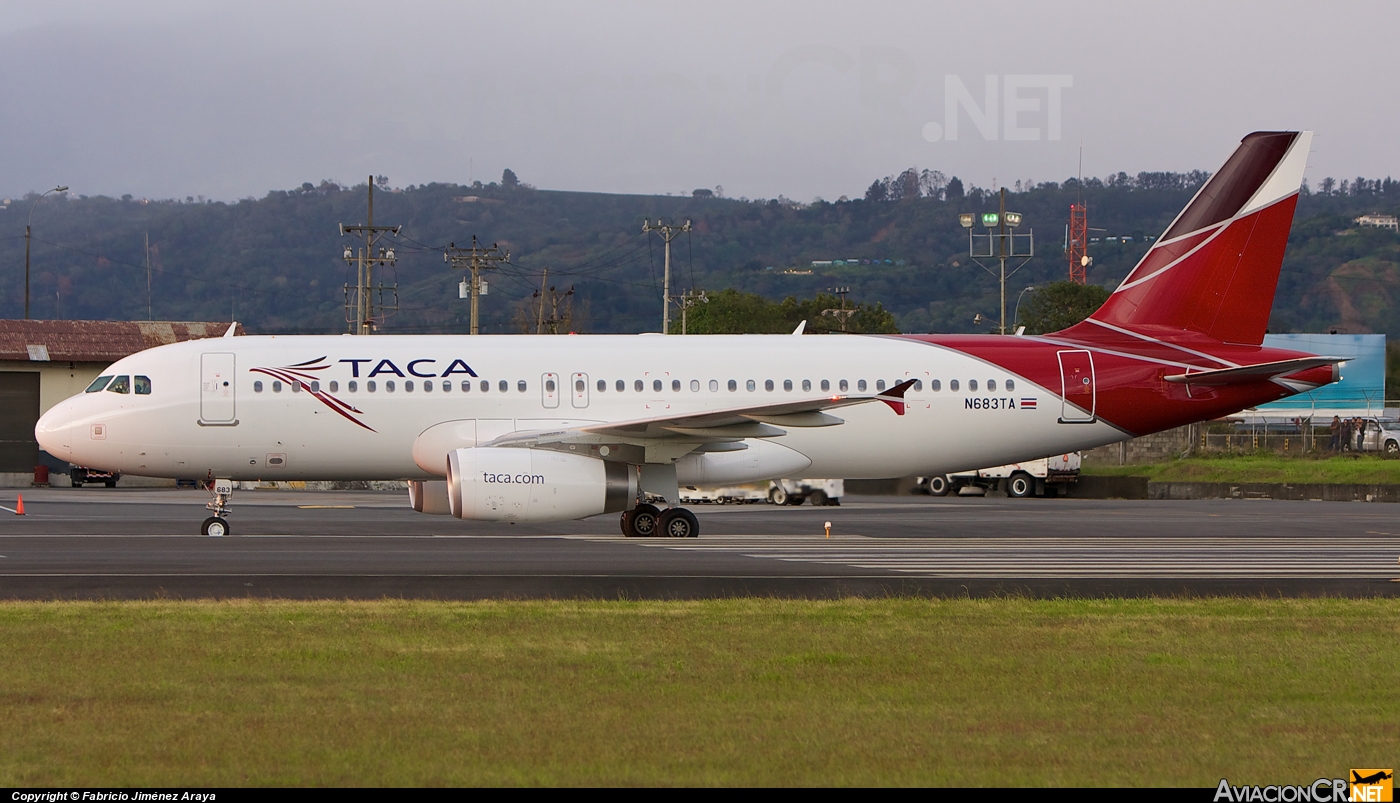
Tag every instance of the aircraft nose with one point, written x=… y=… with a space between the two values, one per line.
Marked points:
x=53 y=431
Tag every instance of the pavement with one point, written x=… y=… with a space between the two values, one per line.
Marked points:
x=99 y=543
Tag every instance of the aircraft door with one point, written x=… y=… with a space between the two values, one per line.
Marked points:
x=216 y=389
x=579 y=384
x=1077 y=387
x=549 y=383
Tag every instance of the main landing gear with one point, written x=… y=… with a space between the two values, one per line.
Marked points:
x=649 y=521
x=217 y=524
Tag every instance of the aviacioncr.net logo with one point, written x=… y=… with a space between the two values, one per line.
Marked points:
x=1323 y=790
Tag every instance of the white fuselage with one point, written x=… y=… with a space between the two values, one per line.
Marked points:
x=193 y=425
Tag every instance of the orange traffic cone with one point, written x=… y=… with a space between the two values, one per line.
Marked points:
x=19 y=506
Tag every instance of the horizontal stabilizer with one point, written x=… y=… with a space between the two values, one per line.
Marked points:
x=1253 y=373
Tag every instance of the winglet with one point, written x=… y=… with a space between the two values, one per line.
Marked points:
x=894 y=397
x=800 y=327
x=232 y=329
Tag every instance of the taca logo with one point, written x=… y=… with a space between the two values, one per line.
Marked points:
x=421 y=368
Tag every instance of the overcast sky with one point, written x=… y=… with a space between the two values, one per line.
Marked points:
x=226 y=100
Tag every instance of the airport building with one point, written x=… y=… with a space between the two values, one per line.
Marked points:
x=45 y=362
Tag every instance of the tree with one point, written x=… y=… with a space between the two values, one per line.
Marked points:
x=954 y=190
x=731 y=312
x=508 y=179
x=702 y=193
x=877 y=191
x=1060 y=305
x=905 y=186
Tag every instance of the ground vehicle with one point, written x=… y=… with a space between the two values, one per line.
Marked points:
x=1029 y=478
x=1380 y=435
x=82 y=474
x=794 y=492
x=741 y=494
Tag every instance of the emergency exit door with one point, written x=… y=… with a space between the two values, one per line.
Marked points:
x=1077 y=387
x=216 y=389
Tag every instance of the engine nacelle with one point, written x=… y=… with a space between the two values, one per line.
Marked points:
x=516 y=484
x=429 y=497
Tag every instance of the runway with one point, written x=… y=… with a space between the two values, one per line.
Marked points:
x=130 y=543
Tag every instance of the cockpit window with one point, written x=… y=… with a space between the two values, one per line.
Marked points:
x=99 y=383
x=121 y=384
x=143 y=386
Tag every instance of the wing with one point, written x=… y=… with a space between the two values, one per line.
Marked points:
x=666 y=437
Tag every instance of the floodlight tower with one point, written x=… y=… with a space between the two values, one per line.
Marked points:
x=1077 y=244
x=1001 y=244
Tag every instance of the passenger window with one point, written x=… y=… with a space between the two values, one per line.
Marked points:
x=860 y=385
x=787 y=384
x=371 y=386
x=602 y=385
x=751 y=385
x=1010 y=385
x=446 y=386
x=714 y=385
x=806 y=384
x=352 y=386
x=485 y=386
x=844 y=386
x=733 y=386
x=121 y=384
x=637 y=385
x=521 y=385
x=315 y=387
x=879 y=384
x=953 y=385
x=503 y=385
x=675 y=385
x=918 y=384
x=549 y=385
x=935 y=385
x=466 y=385
x=427 y=387
x=276 y=386
x=620 y=385
x=388 y=386
x=694 y=386
x=768 y=384
x=99 y=383
x=826 y=384
x=257 y=386
x=972 y=385
x=656 y=386
x=335 y=386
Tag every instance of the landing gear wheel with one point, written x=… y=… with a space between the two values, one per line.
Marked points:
x=818 y=499
x=778 y=495
x=1020 y=486
x=679 y=523
x=627 y=524
x=645 y=520
x=214 y=526
x=938 y=486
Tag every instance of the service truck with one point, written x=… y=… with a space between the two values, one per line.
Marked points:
x=1043 y=477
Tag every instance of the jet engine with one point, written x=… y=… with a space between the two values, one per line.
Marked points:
x=429 y=497
x=517 y=484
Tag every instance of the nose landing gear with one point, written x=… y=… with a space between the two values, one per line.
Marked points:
x=217 y=524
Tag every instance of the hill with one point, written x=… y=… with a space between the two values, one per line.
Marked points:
x=274 y=263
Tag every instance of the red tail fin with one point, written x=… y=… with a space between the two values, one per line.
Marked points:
x=1215 y=270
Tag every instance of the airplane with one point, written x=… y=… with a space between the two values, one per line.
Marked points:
x=1374 y=778
x=555 y=428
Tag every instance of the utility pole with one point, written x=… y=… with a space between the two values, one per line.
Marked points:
x=842 y=314
x=539 y=315
x=364 y=260
x=477 y=258
x=60 y=188
x=669 y=232
x=149 y=317
x=689 y=299
x=1005 y=244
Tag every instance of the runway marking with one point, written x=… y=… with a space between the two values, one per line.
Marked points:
x=1051 y=557
x=325 y=507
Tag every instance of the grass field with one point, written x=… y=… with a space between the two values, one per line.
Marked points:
x=1366 y=470
x=1012 y=691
